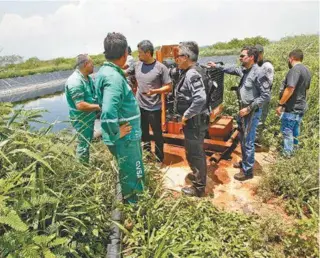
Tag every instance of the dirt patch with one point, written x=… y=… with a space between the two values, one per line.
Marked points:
x=222 y=189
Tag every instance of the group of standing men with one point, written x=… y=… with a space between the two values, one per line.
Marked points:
x=125 y=118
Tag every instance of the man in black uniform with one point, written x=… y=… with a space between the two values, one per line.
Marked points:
x=191 y=103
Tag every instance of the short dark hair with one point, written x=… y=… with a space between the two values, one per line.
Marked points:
x=259 y=48
x=191 y=49
x=129 y=50
x=297 y=54
x=115 y=46
x=252 y=51
x=145 y=46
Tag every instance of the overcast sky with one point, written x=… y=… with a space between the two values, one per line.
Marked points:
x=50 y=29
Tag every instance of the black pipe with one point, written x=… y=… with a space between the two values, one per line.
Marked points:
x=114 y=246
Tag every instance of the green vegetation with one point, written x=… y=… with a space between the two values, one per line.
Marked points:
x=35 y=66
x=50 y=205
x=232 y=47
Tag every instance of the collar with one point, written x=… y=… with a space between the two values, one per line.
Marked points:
x=81 y=75
x=115 y=67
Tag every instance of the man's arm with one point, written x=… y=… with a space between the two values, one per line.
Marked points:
x=111 y=103
x=292 y=80
x=198 y=94
x=268 y=70
x=76 y=91
x=264 y=85
x=87 y=107
x=163 y=89
x=230 y=69
x=287 y=93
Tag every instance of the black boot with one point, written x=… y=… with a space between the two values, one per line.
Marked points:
x=191 y=177
x=192 y=191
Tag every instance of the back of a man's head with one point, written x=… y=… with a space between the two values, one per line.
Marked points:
x=191 y=49
x=115 y=46
x=296 y=54
x=259 y=48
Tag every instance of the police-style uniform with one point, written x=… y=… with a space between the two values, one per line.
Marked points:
x=254 y=91
x=191 y=103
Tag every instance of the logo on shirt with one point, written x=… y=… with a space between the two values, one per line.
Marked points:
x=139 y=169
x=264 y=81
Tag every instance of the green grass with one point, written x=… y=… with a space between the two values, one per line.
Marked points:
x=49 y=203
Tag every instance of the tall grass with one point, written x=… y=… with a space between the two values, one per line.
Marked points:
x=51 y=205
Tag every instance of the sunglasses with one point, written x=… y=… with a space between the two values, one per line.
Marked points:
x=242 y=56
x=181 y=55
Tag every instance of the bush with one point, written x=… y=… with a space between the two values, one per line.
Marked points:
x=232 y=47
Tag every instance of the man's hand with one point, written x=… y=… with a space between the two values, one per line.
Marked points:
x=126 y=66
x=279 y=110
x=87 y=107
x=125 y=129
x=245 y=111
x=212 y=64
x=184 y=120
x=151 y=92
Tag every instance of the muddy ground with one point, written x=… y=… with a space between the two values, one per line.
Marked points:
x=222 y=189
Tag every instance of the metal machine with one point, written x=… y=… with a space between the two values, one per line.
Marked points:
x=222 y=136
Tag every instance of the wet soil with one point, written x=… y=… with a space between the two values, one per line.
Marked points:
x=222 y=189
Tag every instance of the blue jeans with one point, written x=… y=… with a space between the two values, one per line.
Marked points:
x=247 y=144
x=290 y=129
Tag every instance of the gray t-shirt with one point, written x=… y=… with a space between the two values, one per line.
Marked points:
x=298 y=77
x=149 y=76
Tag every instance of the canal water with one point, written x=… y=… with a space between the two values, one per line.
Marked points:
x=57 y=107
x=57 y=111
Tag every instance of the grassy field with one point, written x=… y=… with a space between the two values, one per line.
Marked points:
x=52 y=206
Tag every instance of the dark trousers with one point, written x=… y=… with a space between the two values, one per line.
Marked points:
x=194 y=133
x=152 y=118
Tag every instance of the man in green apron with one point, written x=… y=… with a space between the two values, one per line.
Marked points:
x=80 y=94
x=120 y=117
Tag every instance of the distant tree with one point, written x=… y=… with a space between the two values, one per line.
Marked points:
x=32 y=62
x=11 y=59
x=239 y=43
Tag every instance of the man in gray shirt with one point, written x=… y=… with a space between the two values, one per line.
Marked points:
x=292 y=104
x=254 y=89
x=153 y=79
x=268 y=69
